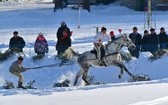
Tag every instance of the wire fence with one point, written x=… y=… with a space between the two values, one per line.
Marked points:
x=83 y=48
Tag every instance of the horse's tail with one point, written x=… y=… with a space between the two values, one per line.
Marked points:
x=69 y=53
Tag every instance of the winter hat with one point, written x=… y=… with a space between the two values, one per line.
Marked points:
x=20 y=58
x=15 y=32
x=162 y=28
x=40 y=33
x=111 y=33
x=145 y=31
x=152 y=29
x=135 y=28
x=63 y=23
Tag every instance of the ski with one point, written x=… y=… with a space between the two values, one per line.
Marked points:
x=10 y=85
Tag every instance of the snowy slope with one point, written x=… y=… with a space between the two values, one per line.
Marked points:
x=31 y=19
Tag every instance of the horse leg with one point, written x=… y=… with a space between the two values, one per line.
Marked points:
x=77 y=76
x=121 y=69
x=129 y=73
x=121 y=65
x=85 y=76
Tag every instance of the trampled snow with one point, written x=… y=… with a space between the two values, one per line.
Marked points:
x=30 y=19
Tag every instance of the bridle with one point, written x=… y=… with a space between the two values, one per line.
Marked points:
x=124 y=39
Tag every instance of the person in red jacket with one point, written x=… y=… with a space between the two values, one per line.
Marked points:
x=112 y=35
x=63 y=39
x=41 y=45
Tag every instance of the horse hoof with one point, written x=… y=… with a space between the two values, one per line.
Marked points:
x=119 y=76
x=87 y=84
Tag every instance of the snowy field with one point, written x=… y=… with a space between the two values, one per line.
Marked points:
x=30 y=19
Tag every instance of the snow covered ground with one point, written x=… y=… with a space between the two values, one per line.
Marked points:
x=30 y=19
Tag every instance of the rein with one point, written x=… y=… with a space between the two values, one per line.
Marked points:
x=51 y=65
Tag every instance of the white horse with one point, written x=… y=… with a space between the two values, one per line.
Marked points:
x=112 y=57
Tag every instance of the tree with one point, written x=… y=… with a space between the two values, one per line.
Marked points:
x=86 y=5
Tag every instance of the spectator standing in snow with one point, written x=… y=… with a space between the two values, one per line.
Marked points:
x=41 y=45
x=58 y=4
x=63 y=39
x=163 y=39
x=145 y=42
x=153 y=41
x=136 y=39
x=16 y=68
x=16 y=43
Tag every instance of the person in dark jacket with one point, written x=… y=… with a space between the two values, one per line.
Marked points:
x=63 y=38
x=58 y=4
x=41 y=45
x=16 y=43
x=136 y=39
x=163 y=39
x=153 y=41
x=145 y=41
x=16 y=69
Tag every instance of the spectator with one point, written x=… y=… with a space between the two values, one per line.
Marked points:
x=136 y=39
x=63 y=38
x=145 y=41
x=58 y=4
x=16 y=68
x=98 y=43
x=41 y=45
x=112 y=35
x=153 y=41
x=65 y=3
x=16 y=43
x=163 y=39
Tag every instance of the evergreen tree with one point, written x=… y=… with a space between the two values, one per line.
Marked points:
x=86 y=5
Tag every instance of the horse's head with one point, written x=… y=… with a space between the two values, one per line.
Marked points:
x=127 y=42
x=118 y=43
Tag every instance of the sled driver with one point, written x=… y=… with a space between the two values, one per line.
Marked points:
x=16 y=68
x=100 y=39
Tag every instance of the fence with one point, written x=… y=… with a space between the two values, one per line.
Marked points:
x=29 y=49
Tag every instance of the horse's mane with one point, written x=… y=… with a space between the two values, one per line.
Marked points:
x=116 y=39
x=120 y=35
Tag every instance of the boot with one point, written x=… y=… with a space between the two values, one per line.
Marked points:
x=20 y=85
